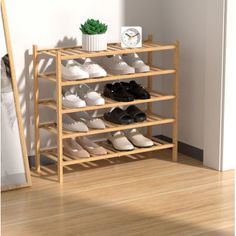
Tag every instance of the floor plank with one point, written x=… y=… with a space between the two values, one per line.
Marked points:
x=147 y=195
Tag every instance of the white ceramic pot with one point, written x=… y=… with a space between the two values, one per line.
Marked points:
x=96 y=42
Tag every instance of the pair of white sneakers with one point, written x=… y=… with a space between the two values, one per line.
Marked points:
x=81 y=122
x=80 y=96
x=126 y=64
x=82 y=68
x=86 y=68
x=126 y=143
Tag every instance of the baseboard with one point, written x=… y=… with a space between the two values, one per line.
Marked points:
x=185 y=149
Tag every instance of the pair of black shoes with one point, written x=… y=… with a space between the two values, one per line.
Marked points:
x=125 y=92
x=130 y=115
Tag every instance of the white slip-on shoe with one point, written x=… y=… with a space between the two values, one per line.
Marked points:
x=120 y=142
x=91 y=147
x=94 y=70
x=70 y=124
x=135 y=61
x=91 y=97
x=70 y=99
x=73 y=149
x=71 y=70
x=138 y=140
x=91 y=122
x=115 y=65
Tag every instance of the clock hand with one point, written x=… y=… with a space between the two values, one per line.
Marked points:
x=128 y=35
x=135 y=35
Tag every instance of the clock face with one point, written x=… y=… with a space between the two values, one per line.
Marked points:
x=131 y=37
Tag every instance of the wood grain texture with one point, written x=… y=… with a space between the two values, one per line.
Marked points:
x=144 y=196
x=149 y=84
x=175 y=103
x=59 y=119
x=36 y=109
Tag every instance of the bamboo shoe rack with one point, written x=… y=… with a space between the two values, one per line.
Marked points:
x=60 y=54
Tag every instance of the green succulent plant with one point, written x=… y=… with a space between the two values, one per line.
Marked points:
x=92 y=26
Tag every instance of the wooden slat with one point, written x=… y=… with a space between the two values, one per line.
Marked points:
x=59 y=118
x=47 y=124
x=175 y=104
x=149 y=84
x=67 y=52
x=74 y=51
x=50 y=53
x=48 y=103
x=50 y=156
x=109 y=103
x=111 y=127
x=48 y=76
x=36 y=109
x=153 y=72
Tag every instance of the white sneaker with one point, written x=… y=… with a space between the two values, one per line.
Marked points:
x=71 y=70
x=115 y=65
x=91 y=97
x=70 y=124
x=135 y=61
x=138 y=139
x=120 y=142
x=94 y=70
x=91 y=122
x=70 y=99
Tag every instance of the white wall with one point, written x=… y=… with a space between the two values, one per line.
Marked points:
x=47 y=24
x=185 y=21
x=229 y=118
x=198 y=26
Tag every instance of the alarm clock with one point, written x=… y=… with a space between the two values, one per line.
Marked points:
x=131 y=36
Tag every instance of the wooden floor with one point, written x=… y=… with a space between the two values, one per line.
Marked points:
x=123 y=197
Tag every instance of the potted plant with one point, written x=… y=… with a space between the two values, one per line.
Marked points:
x=94 y=36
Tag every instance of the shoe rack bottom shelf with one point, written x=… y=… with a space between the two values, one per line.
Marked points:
x=111 y=152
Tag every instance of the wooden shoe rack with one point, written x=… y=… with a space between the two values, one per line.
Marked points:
x=60 y=54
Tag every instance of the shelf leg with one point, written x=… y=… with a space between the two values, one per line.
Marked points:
x=149 y=86
x=59 y=119
x=175 y=104
x=36 y=109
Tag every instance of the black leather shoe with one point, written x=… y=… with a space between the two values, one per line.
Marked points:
x=117 y=92
x=136 y=90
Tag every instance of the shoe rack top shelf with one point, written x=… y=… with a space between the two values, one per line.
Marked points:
x=75 y=52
